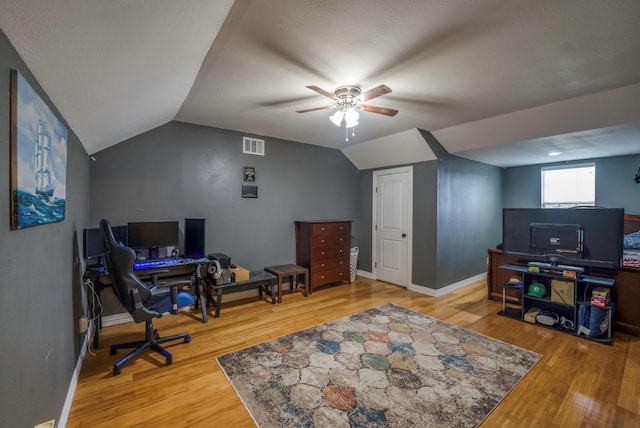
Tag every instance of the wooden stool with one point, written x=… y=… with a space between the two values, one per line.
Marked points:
x=283 y=271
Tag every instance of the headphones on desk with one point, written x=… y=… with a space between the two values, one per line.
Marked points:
x=214 y=269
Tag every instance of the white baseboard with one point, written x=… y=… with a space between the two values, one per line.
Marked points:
x=449 y=288
x=116 y=319
x=364 y=273
x=71 y=392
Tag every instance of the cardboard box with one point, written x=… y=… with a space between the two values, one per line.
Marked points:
x=530 y=315
x=600 y=293
x=562 y=291
x=601 y=303
x=240 y=274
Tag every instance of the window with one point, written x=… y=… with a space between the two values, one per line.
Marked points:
x=568 y=186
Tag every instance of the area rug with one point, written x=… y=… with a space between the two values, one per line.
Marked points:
x=384 y=367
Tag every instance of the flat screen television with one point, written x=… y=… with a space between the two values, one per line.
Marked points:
x=93 y=241
x=149 y=234
x=587 y=237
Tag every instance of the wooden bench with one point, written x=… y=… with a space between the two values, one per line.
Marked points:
x=259 y=279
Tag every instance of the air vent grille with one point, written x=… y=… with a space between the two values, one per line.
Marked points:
x=253 y=146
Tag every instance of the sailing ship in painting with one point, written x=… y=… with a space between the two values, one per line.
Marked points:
x=41 y=206
x=42 y=157
x=38 y=158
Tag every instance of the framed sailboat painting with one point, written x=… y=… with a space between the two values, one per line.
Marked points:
x=38 y=158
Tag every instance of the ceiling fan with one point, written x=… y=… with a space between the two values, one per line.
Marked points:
x=348 y=100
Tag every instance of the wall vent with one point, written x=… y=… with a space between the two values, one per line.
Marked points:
x=253 y=146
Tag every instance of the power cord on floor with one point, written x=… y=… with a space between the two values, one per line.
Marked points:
x=95 y=313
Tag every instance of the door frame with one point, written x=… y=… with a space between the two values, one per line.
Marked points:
x=374 y=270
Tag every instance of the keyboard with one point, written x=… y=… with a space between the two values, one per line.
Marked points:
x=150 y=264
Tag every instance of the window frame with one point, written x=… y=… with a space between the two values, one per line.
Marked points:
x=567 y=204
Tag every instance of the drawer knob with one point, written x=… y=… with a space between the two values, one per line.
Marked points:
x=340 y=250
x=322 y=276
x=340 y=262
x=322 y=241
x=340 y=273
x=322 y=252
x=322 y=265
x=340 y=227
x=322 y=228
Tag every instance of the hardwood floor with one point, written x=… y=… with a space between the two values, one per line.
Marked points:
x=578 y=383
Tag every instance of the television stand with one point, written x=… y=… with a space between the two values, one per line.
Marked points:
x=557 y=303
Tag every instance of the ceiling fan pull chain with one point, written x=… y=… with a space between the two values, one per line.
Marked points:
x=346 y=133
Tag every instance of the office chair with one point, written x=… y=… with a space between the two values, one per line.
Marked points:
x=143 y=302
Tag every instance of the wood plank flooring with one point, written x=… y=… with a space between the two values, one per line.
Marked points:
x=578 y=383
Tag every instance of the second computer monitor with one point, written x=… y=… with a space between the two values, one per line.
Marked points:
x=153 y=234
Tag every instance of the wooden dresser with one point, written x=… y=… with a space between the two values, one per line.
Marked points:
x=323 y=247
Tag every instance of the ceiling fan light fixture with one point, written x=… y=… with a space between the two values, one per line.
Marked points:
x=337 y=117
x=351 y=117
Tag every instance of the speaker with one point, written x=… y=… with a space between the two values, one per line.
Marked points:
x=194 y=235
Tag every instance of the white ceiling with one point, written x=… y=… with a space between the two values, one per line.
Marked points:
x=500 y=82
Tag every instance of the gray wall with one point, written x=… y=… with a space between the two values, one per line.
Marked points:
x=469 y=217
x=457 y=215
x=179 y=171
x=614 y=184
x=42 y=295
x=425 y=223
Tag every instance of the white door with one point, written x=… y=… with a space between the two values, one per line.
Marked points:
x=392 y=223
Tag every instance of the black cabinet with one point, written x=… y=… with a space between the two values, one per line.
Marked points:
x=560 y=299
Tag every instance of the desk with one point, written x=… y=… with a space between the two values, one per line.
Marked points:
x=193 y=269
x=259 y=279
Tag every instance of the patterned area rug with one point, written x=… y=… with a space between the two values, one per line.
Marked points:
x=387 y=366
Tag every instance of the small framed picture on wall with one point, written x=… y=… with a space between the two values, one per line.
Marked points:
x=249 y=173
x=249 y=191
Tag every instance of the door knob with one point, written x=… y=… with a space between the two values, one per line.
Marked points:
x=404 y=235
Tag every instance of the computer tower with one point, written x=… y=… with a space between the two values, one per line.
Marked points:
x=194 y=236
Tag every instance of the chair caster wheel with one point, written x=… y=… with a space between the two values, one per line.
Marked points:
x=187 y=339
x=116 y=371
x=112 y=351
x=169 y=361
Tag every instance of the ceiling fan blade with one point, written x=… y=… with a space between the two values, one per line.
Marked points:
x=379 y=110
x=374 y=92
x=314 y=109
x=322 y=92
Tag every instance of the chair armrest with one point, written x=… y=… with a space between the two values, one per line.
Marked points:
x=154 y=274
x=173 y=285
x=140 y=313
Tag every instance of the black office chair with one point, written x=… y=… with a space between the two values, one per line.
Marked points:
x=143 y=302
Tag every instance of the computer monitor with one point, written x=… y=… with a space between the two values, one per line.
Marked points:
x=93 y=241
x=153 y=234
x=194 y=236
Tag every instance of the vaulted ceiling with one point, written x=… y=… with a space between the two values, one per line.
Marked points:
x=500 y=82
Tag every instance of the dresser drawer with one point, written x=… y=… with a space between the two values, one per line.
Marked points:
x=330 y=228
x=330 y=276
x=340 y=240
x=329 y=264
x=324 y=253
